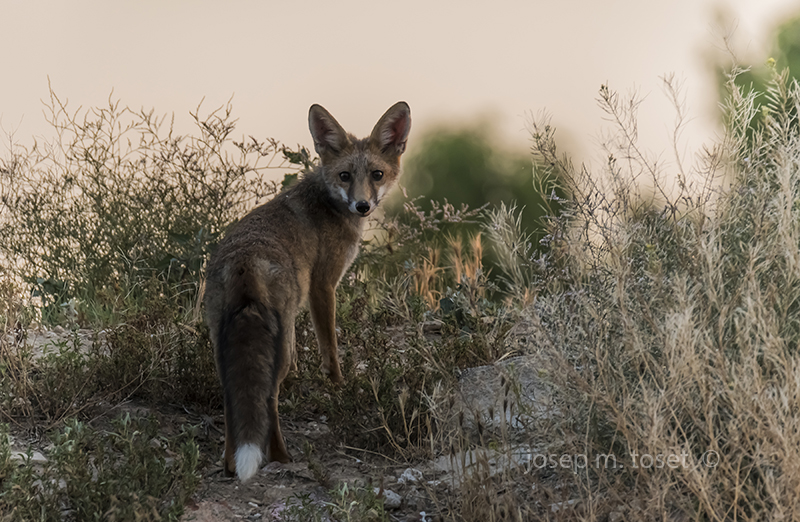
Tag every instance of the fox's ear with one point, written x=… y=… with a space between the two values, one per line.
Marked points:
x=391 y=131
x=329 y=136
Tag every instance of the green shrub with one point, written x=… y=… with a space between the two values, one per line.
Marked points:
x=129 y=472
x=118 y=198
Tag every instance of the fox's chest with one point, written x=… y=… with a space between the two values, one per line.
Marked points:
x=350 y=256
x=351 y=251
x=337 y=250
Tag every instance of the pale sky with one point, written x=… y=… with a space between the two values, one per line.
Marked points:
x=453 y=60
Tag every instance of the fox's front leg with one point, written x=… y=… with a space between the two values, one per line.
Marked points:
x=322 y=302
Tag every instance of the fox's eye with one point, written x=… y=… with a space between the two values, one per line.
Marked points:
x=344 y=176
x=377 y=175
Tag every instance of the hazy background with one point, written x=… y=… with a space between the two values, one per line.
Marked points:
x=451 y=61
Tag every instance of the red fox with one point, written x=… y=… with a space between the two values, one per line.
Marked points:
x=288 y=252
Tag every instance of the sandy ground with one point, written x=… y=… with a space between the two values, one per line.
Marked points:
x=410 y=489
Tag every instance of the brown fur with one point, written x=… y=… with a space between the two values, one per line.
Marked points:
x=288 y=252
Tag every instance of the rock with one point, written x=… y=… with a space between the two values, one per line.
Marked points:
x=391 y=500
x=410 y=476
x=558 y=506
x=21 y=457
x=506 y=397
x=464 y=464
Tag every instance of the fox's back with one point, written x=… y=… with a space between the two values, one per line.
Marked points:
x=296 y=222
x=285 y=240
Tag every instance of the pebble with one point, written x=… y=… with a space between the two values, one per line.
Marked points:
x=21 y=457
x=410 y=476
x=391 y=500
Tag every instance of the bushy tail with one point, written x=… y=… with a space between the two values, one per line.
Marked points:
x=248 y=358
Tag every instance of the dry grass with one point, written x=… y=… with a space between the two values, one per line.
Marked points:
x=663 y=321
x=670 y=325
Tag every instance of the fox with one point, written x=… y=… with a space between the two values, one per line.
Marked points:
x=289 y=253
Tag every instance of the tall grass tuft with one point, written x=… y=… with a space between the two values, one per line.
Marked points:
x=669 y=322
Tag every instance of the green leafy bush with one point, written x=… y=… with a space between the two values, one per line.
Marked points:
x=128 y=472
x=118 y=198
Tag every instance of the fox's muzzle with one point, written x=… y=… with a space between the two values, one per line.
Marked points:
x=363 y=207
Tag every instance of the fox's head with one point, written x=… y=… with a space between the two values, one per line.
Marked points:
x=357 y=172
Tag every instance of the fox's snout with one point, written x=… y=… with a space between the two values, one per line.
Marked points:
x=362 y=207
x=360 y=192
x=362 y=197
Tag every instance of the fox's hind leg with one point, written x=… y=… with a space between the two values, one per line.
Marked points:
x=276 y=447
x=229 y=464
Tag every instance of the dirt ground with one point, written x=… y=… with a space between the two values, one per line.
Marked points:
x=408 y=488
x=266 y=495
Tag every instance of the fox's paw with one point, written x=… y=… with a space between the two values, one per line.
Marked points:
x=277 y=450
x=281 y=456
x=336 y=377
x=228 y=465
x=334 y=373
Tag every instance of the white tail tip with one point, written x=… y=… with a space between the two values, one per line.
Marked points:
x=248 y=459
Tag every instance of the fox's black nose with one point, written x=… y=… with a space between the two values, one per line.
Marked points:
x=362 y=206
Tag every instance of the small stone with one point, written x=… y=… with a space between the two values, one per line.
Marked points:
x=410 y=476
x=391 y=500
x=558 y=506
x=616 y=516
x=36 y=457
